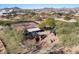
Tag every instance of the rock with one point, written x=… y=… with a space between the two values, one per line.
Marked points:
x=2 y=48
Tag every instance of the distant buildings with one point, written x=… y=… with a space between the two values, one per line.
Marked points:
x=10 y=12
x=43 y=13
x=5 y=12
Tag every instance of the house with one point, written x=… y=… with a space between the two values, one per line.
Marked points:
x=33 y=30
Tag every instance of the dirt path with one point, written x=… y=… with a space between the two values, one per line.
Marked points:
x=61 y=19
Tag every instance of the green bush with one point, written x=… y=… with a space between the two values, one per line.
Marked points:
x=50 y=22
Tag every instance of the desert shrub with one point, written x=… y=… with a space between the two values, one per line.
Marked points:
x=70 y=40
x=68 y=33
x=12 y=40
x=5 y=23
x=42 y=25
x=67 y=18
x=36 y=18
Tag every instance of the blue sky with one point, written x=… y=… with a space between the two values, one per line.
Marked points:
x=35 y=6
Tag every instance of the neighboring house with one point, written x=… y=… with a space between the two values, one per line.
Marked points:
x=1 y=13
x=4 y=13
x=10 y=12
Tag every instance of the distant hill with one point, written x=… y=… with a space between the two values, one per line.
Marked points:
x=12 y=8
